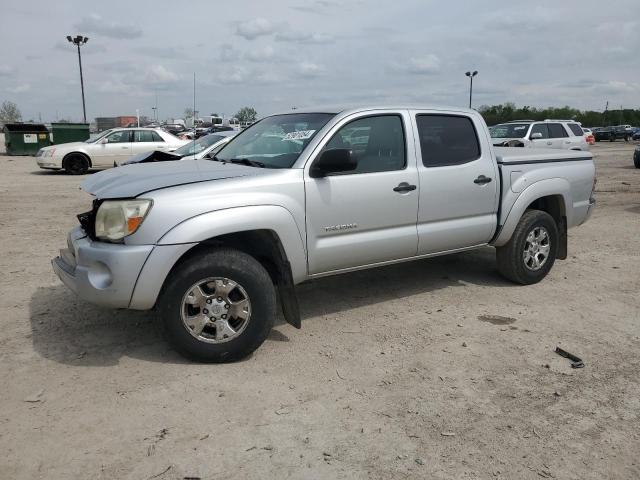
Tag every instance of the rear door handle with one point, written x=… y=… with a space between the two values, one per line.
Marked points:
x=404 y=187
x=481 y=180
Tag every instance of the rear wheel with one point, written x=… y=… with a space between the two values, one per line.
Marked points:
x=528 y=257
x=76 y=164
x=218 y=306
x=636 y=159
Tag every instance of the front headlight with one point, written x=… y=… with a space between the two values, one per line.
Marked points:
x=49 y=153
x=118 y=218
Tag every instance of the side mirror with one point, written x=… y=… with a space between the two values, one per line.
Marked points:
x=104 y=140
x=536 y=136
x=333 y=161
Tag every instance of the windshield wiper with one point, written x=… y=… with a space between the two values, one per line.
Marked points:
x=241 y=161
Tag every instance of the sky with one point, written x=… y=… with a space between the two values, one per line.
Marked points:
x=278 y=54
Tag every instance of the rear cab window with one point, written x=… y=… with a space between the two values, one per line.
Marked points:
x=447 y=140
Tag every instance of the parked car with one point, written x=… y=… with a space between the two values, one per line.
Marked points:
x=204 y=147
x=588 y=136
x=601 y=134
x=291 y=199
x=636 y=156
x=108 y=149
x=636 y=134
x=558 y=134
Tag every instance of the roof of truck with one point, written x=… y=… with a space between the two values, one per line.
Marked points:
x=335 y=109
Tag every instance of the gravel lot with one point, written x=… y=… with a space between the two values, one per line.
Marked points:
x=432 y=369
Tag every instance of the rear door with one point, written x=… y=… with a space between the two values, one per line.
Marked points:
x=459 y=182
x=145 y=141
x=366 y=216
x=558 y=136
x=115 y=150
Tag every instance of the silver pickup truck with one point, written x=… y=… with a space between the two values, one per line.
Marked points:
x=214 y=245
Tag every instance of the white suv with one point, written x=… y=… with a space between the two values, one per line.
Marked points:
x=561 y=134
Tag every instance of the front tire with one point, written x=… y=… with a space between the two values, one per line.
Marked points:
x=76 y=164
x=218 y=306
x=531 y=252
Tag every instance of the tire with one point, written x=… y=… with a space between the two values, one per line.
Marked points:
x=511 y=258
x=76 y=164
x=636 y=160
x=207 y=270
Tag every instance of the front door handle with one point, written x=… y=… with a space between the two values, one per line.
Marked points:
x=124 y=148
x=481 y=180
x=404 y=187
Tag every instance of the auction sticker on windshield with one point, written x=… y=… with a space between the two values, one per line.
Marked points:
x=299 y=135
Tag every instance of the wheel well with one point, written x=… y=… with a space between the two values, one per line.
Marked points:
x=263 y=245
x=64 y=159
x=554 y=206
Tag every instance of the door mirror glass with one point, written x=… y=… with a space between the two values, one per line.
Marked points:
x=334 y=160
x=536 y=135
x=104 y=140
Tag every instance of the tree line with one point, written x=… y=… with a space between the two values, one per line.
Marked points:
x=506 y=112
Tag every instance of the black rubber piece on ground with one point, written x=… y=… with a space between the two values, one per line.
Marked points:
x=226 y=263
x=510 y=256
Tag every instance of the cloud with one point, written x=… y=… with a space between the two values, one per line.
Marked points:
x=96 y=24
x=167 y=52
x=427 y=65
x=159 y=75
x=252 y=29
x=260 y=54
x=6 y=71
x=23 y=87
x=310 y=70
x=294 y=36
x=317 y=6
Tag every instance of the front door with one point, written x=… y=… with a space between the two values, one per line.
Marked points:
x=459 y=183
x=368 y=215
x=544 y=141
x=115 y=149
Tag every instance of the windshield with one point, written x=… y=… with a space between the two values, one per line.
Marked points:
x=509 y=130
x=275 y=141
x=195 y=147
x=95 y=139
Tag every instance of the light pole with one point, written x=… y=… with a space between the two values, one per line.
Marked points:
x=78 y=41
x=471 y=75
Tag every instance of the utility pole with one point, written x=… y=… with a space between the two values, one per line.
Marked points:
x=78 y=41
x=471 y=75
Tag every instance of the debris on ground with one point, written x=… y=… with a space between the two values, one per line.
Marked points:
x=36 y=397
x=576 y=361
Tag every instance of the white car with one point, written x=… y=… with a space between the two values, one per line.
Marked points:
x=206 y=146
x=560 y=134
x=108 y=149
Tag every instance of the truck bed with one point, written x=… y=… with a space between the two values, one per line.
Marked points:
x=519 y=156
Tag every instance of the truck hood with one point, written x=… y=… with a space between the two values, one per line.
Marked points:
x=133 y=180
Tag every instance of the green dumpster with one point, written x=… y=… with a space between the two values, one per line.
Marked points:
x=69 y=132
x=25 y=138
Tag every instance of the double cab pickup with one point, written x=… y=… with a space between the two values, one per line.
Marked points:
x=217 y=245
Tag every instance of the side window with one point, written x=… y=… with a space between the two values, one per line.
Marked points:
x=142 y=136
x=556 y=130
x=121 y=136
x=156 y=137
x=576 y=129
x=447 y=140
x=377 y=143
x=540 y=128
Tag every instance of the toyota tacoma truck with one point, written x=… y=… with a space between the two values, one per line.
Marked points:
x=215 y=246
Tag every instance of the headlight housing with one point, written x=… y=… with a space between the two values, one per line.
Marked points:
x=49 y=153
x=117 y=219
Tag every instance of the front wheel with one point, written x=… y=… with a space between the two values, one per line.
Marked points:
x=218 y=306
x=530 y=253
x=76 y=164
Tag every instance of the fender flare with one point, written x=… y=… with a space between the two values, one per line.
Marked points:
x=195 y=230
x=539 y=189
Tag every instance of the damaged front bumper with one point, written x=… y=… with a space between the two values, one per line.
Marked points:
x=99 y=272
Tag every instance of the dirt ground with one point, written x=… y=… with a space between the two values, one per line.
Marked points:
x=432 y=369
